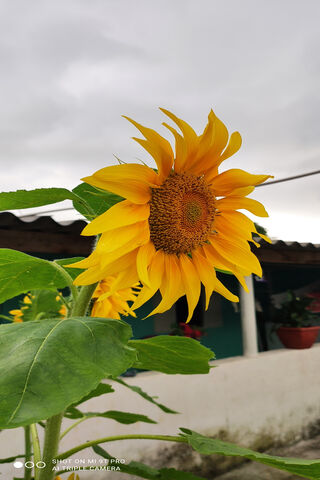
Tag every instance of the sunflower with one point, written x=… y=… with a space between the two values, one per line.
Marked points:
x=110 y=303
x=179 y=222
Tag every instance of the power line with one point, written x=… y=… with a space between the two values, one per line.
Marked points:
x=286 y=179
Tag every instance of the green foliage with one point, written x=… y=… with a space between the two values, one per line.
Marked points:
x=144 y=395
x=172 y=354
x=43 y=304
x=260 y=228
x=121 y=417
x=20 y=273
x=144 y=471
x=207 y=446
x=101 y=389
x=294 y=311
x=34 y=198
x=46 y=366
x=98 y=200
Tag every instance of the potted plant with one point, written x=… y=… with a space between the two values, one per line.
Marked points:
x=296 y=319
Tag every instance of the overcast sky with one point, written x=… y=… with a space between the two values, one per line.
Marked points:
x=70 y=69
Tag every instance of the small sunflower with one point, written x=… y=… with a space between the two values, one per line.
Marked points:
x=179 y=222
x=110 y=303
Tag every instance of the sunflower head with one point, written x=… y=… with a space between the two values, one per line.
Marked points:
x=178 y=223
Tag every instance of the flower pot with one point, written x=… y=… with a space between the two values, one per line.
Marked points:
x=298 y=337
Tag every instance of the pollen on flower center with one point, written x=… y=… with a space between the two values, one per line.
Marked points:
x=182 y=212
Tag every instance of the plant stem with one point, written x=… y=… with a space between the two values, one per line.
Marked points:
x=51 y=445
x=74 y=424
x=166 y=438
x=27 y=445
x=68 y=278
x=83 y=300
x=36 y=448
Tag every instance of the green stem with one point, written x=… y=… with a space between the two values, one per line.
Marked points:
x=36 y=448
x=74 y=424
x=83 y=300
x=27 y=445
x=51 y=445
x=166 y=438
x=65 y=274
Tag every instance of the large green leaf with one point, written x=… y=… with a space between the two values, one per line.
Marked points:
x=34 y=198
x=207 y=446
x=20 y=273
x=98 y=200
x=144 y=471
x=47 y=365
x=172 y=354
x=144 y=395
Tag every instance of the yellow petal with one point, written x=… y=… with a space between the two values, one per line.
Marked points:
x=131 y=181
x=171 y=288
x=189 y=135
x=155 y=279
x=237 y=203
x=119 y=215
x=242 y=191
x=144 y=258
x=226 y=182
x=110 y=256
x=233 y=146
x=221 y=263
x=125 y=279
x=181 y=150
x=220 y=288
x=97 y=272
x=115 y=239
x=191 y=283
x=206 y=274
x=236 y=254
x=211 y=159
x=158 y=147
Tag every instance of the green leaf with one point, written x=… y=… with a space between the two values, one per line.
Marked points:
x=207 y=446
x=144 y=471
x=144 y=395
x=121 y=417
x=172 y=354
x=73 y=272
x=98 y=200
x=20 y=273
x=73 y=413
x=34 y=198
x=101 y=389
x=47 y=365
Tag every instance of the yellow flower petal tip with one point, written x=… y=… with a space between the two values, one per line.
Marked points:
x=179 y=222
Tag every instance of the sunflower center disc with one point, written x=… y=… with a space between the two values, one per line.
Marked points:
x=182 y=212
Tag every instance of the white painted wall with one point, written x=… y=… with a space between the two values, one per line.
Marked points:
x=274 y=393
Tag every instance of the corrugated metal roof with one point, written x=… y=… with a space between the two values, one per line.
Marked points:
x=46 y=224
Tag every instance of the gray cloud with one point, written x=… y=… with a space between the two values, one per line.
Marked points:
x=70 y=69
